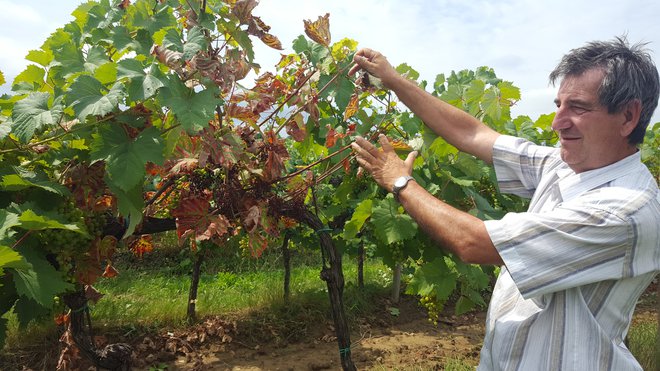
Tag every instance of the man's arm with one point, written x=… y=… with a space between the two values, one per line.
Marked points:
x=457 y=127
x=457 y=231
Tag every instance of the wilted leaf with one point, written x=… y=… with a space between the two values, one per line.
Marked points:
x=331 y=137
x=272 y=41
x=242 y=9
x=193 y=217
x=296 y=128
x=319 y=30
x=110 y=271
x=352 y=107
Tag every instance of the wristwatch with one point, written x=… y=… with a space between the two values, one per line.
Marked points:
x=399 y=184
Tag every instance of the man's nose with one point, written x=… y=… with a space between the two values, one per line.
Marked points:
x=561 y=120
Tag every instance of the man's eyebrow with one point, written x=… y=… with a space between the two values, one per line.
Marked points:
x=575 y=101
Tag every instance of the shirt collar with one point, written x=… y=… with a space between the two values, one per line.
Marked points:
x=572 y=185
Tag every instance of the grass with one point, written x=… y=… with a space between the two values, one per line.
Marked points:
x=150 y=294
x=452 y=364
x=156 y=298
x=644 y=343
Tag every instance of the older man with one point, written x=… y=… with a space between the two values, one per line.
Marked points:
x=574 y=264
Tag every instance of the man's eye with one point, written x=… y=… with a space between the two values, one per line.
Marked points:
x=579 y=110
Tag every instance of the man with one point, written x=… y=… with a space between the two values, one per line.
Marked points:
x=573 y=265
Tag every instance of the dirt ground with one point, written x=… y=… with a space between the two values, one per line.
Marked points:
x=385 y=343
x=382 y=342
x=388 y=339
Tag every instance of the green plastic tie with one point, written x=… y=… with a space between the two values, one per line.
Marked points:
x=80 y=309
x=324 y=230
x=344 y=351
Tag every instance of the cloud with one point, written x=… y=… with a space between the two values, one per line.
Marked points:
x=18 y=13
x=522 y=40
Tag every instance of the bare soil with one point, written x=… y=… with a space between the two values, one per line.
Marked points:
x=383 y=342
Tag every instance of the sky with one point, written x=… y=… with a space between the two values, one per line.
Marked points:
x=522 y=40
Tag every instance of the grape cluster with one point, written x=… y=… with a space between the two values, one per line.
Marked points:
x=432 y=308
x=396 y=250
x=488 y=190
x=68 y=245
x=244 y=246
x=202 y=179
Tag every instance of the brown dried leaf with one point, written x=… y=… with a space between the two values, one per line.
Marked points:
x=352 y=107
x=319 y=30
x=242 y=9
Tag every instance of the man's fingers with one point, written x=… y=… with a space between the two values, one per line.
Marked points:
x=365 y=146
x=385 y=143
x=363 y=164
x=356 y=67
x=362 y=153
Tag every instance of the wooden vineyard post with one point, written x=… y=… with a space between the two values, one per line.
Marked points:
x=286 y=256
x=191 y=314
x=396 y=283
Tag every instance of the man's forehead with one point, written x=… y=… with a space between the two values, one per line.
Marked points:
x=585 y=84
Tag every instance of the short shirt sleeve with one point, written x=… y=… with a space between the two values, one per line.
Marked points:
x=520 y=164
x=568 y=247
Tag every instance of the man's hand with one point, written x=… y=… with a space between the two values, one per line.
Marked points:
x=383 y=164
x=376 y=65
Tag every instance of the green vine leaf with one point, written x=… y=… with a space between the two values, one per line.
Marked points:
x=360 y=215
x=31 y=79
x=27 y=310
x=130 y=204
x=491 y=103
x=26 y=179
x=196 y=42
x=152 y=18
x=340 y=89
x=33 y=113
x=31 y=221
x=40 y=283
x=509 y=91
x=10 y=258
x=67 y=54
x=433 y=277
x=8 y=220
x=41 y=57
x=193 y=109
x=96 y=57
x=89 y=97
x=389 y=224
x=143 y=85
x=125 y=158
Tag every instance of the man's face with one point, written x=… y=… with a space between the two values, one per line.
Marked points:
x=590 y=137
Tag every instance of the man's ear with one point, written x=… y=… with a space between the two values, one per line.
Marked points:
x=631 y=112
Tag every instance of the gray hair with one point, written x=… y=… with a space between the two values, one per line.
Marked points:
x=630 y=74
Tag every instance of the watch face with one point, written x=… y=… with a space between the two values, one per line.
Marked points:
x=400 y=182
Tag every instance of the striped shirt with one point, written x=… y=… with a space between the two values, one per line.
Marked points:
x=575 y=263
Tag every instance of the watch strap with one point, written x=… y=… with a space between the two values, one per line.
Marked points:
x=403 y=181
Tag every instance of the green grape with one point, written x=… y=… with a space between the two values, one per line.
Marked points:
x=396 y=250
x=432 y=308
